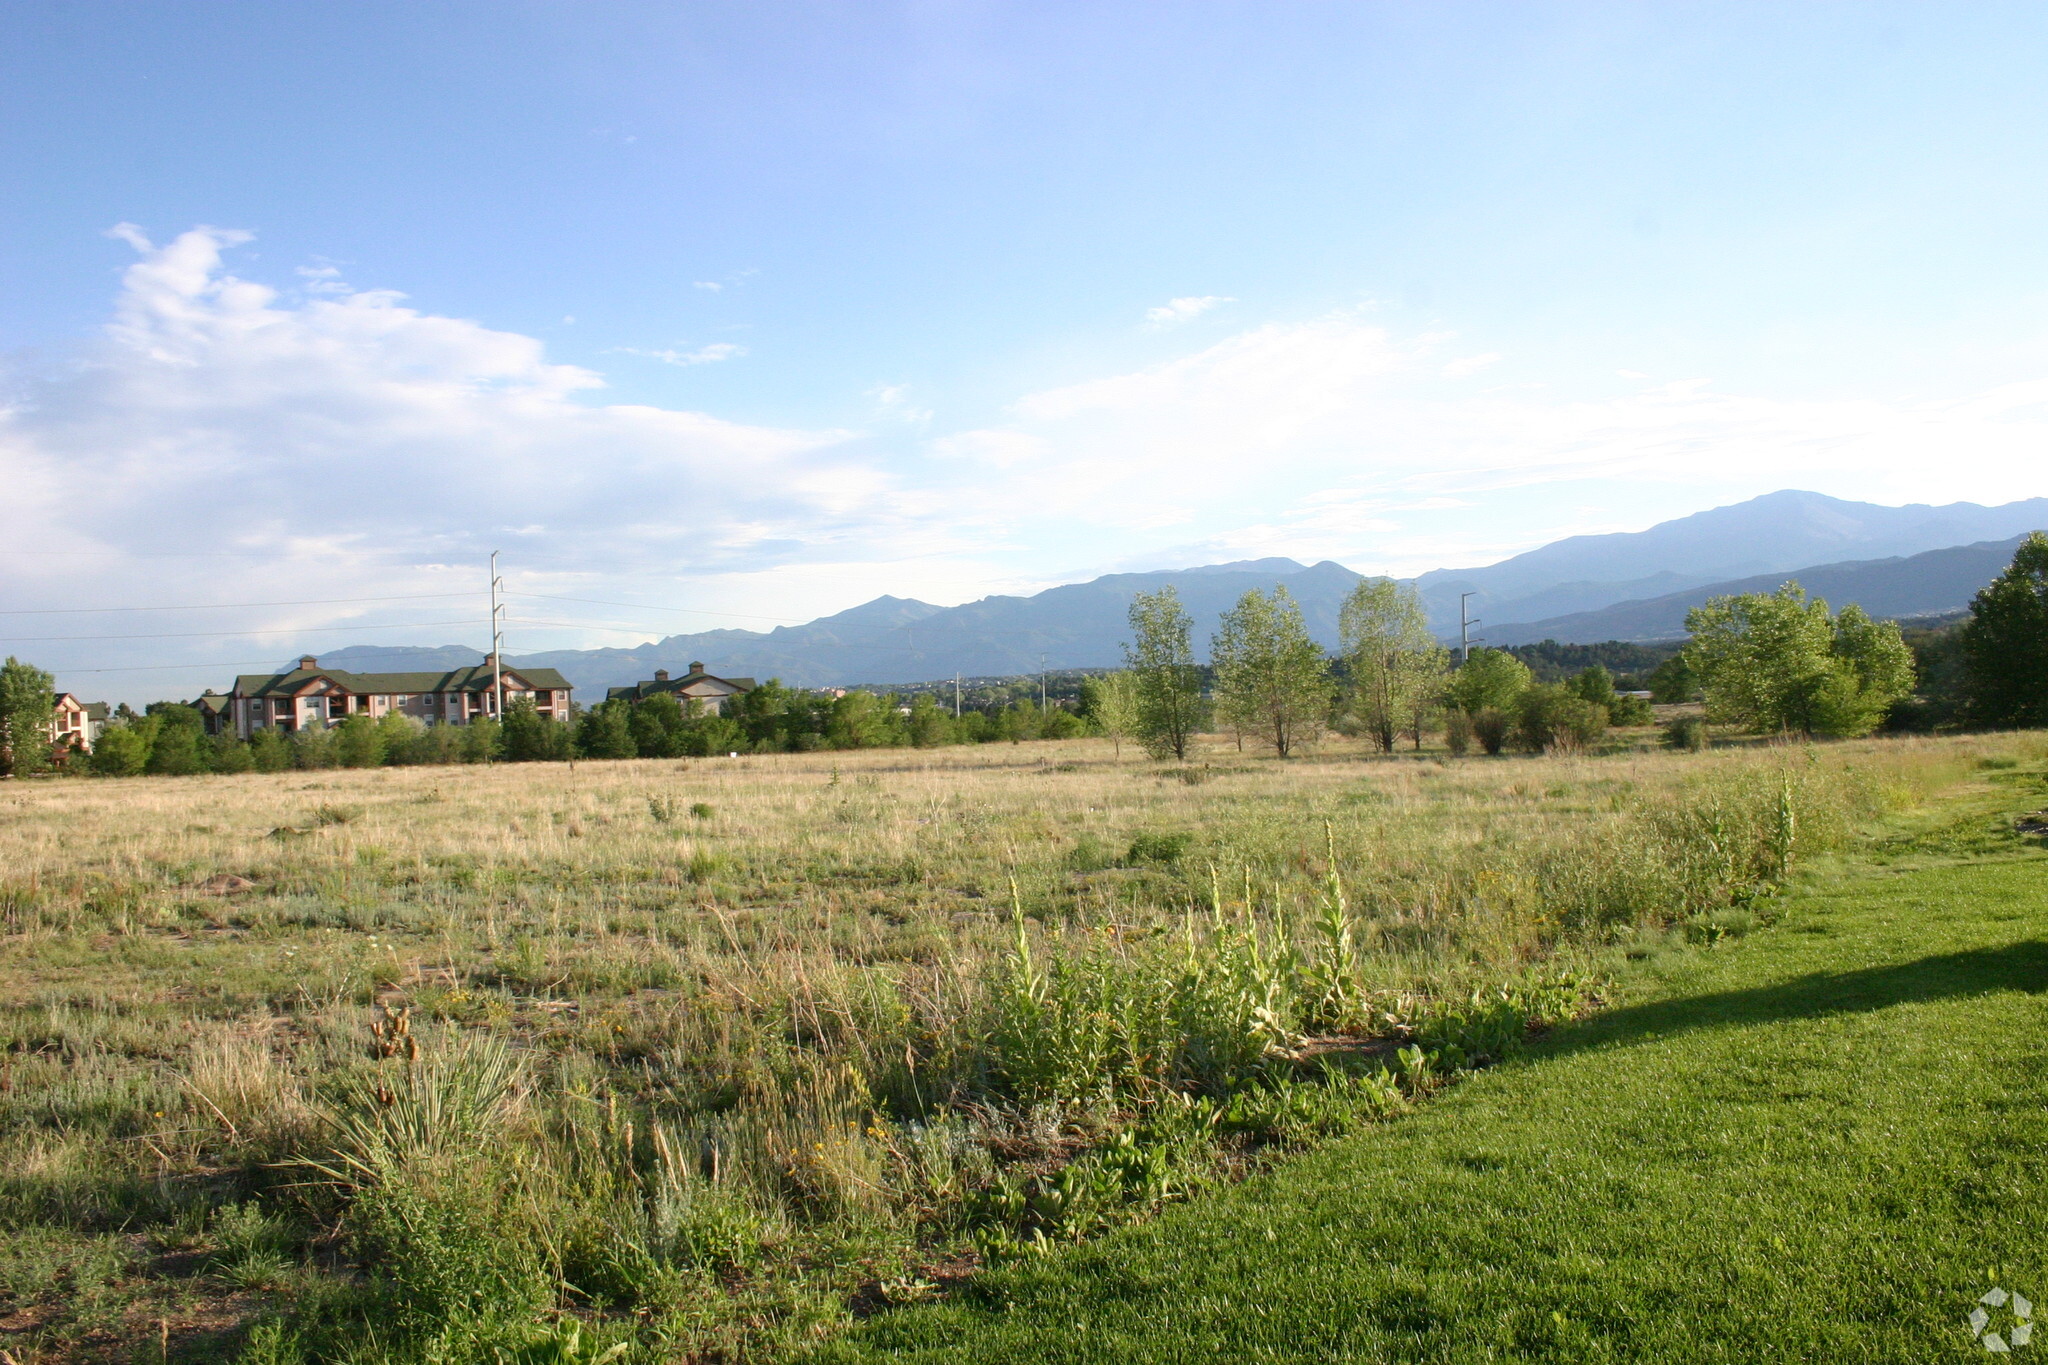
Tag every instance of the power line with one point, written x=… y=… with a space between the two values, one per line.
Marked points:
x=227 y=606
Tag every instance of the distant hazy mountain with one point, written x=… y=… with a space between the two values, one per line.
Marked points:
x=1561 y=591
x=1915 y=585
x=892 y=640
x=1771 y=534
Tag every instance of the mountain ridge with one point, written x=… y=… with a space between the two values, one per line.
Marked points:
x=1774 y=533
x=1526 y=597
x=1926 y=584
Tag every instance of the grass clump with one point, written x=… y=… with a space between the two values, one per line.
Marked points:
x=1165 y=849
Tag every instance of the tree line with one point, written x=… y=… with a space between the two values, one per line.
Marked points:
x=170 y=738
x=1764 y=662
x=1778 y=661
x=1272 y=686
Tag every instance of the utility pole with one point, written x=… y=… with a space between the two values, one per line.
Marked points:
x=1041 y=683
x=1465 y=624
x=956 y=695
x=497 y=641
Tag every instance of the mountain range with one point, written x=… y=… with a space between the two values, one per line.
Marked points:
x=1776 y=533
x=1894 y=561
x=1926 y=584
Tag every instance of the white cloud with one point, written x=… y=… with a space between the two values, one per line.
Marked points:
x=1175 y=311
x=712 y=286
x=893 y=401
x=1335 y=438
x=703 y=355
x=221 y=444
x=321 y=279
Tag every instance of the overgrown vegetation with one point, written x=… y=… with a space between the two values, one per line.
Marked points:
x=667 y=1058
x=1716 y=1166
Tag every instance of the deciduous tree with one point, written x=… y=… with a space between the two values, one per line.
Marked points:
x=1271 y=678
x=122 y=750
x=1161 y=657
x=1779 y=662
x=927 y=725
x=1111 y=704
x=1488 y=680
x=530 y=737
x=607 y=731
x=1396 y=664
x=179 y=748
x=2005 y=643
x=27 y=703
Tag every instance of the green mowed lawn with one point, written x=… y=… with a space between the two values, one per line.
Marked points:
x=1819 y=1143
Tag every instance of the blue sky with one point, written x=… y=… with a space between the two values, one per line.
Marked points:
x=767 y=309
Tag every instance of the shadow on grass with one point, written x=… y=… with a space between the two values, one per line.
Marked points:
x=1981 y=971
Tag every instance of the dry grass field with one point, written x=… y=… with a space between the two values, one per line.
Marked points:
x=700 y=1058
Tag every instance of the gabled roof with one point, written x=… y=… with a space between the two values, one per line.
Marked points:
x=475 y=678
x=695 y=676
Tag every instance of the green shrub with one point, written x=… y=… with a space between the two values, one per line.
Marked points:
x=431 y=744
x=123 y=750
x=480 y=741
x=530 y=737
x=359 y=742
x=1091 y=853
x=454 y=1259
x=1490 y=727
x=269 y=751
x=1686 y=733
x=1164 y=849
x=179 y=748
x=1551 y=717
x=313 y=748
x=1627 y=711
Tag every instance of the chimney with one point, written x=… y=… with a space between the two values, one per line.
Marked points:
x=661 y=675
x=490 y=660
x=308 y=662
x=697 y=667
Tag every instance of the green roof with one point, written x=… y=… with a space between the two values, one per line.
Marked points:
x=653 y=686
x=475 y=678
